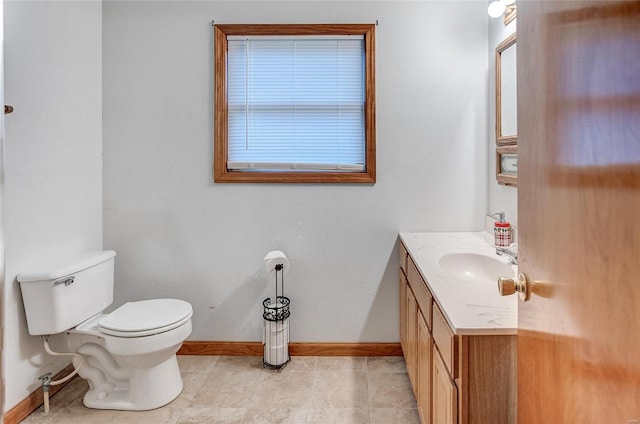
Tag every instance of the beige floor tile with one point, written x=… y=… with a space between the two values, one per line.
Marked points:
x=395 y=416
x=192 y=382
x=72 y=393
x=341 y=363
x=39 y=417
x=66 y=406
x=340 y=390
x=340 y=416
x=276 y=415
x=238 y=363
x=390 y=390
x=301 y=364
x=71 y=417
x=227 y=389
x=386 y=364
x=314 y=390
x=197 y=363
x=285 y=389
x=165 y=415
x=78 y=414
x=212 y=416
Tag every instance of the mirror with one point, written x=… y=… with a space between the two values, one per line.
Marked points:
x=506 y=92
x=507 y=165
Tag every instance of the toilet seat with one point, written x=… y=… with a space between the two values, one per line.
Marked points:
x=145 y=318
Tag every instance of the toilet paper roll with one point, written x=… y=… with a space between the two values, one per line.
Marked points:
x=274 y=258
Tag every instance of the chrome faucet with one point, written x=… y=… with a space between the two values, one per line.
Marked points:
x=511 y=253
x=499 y=215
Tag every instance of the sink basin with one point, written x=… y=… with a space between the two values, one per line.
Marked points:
x=475 y=267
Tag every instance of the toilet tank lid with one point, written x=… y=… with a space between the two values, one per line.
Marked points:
x=65 y=265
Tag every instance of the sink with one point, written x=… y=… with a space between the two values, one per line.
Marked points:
x=475 y=267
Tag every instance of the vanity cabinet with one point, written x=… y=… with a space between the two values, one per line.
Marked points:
x=415 y=332
x=456 y=378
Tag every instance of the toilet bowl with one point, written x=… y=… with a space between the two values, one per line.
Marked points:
x=128 y=355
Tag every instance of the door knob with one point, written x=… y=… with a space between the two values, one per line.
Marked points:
x=507 y=286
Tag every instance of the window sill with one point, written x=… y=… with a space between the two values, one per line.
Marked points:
x=295 y=177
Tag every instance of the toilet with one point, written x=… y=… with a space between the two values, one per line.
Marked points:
x=128 y=355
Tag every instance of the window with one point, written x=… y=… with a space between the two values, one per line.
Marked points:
x=294 y=103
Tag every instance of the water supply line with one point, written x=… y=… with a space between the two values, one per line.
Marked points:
x=46 y=378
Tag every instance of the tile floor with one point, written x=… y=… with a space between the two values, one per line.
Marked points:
x=235 y=389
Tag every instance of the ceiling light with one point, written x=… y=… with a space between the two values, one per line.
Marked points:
x=496 y=9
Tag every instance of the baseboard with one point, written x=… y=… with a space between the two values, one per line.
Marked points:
x=344 y=349
x=295 y=349
x=35 y=400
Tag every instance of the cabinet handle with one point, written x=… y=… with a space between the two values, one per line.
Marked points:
x=508 y=286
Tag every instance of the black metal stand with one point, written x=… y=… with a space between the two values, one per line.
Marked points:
x=277 y=311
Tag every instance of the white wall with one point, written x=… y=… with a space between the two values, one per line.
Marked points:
x=53 y=165
x=501 y=198
x=178 y=234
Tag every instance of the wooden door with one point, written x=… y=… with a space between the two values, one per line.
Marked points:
x=444 y=405
x=412 y=339
x=403 y=312
x=424 y=370
x=579 y=211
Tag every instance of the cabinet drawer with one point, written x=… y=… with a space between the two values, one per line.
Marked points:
x=445 y=341
x=403 y=258
x=420 y=291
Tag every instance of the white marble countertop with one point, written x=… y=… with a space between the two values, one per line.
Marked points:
x=470 y=307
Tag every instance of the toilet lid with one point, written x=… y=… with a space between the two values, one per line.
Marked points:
x=146 y=317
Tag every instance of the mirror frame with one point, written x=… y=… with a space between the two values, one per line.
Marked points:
x=510 y=14
x=500 y=138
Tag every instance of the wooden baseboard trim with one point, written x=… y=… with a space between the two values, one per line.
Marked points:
x=295 y=349
x=221 y=348
x=345 y=349
x=36 y=399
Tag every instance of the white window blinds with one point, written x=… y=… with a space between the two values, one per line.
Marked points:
x=296 y=103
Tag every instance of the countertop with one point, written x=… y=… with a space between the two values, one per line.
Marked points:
x=470 y=307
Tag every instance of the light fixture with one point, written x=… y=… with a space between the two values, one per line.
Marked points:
x=499 y=7
x=496 y=9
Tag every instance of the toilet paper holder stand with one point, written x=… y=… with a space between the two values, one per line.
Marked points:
x=276 y=326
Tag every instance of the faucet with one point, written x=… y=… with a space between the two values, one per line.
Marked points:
x=511 y=252
x=499 y=215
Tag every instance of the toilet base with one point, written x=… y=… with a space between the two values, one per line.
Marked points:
x=147 y=388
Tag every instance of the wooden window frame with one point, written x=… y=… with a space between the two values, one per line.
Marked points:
x=220 y=172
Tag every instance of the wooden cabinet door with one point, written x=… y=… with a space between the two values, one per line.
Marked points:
x=444 y=394
x=424 y=370
x=403 y=312
x=578 y=211
x=412 y=338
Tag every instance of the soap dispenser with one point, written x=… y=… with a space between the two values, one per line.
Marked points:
x=502 y=231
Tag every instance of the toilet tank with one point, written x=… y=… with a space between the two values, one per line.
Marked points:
x=61 y=293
